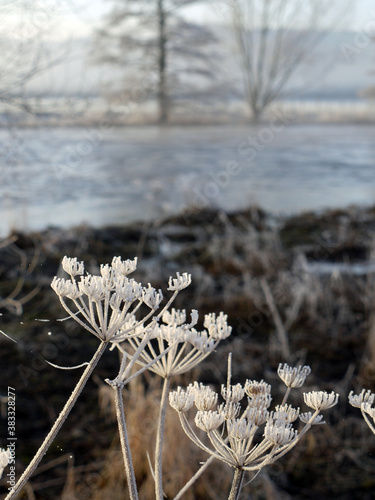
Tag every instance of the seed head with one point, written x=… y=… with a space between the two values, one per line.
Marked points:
x=179 y=283
x=254 y=388
x=208 y=420
x=260 y=401
x=367 y=408
x=241 y=429
x=174 y=317
x=286 y=413
x=65 y=288
x=124 y=267
x=205 y=398
x=151 y=297
x=72 y=266
x=229 y=410
x=217 y=327
x=233 y=393
x=320 y=400
x=258 y=416
x=364 y=396
x=201 y=341
x=293 y=377
x=279 y=433
x=306 y=417
x=181 y=400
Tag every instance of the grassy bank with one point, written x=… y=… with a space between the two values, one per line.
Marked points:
x=297 y=290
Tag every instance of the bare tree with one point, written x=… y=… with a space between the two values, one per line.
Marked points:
x=274 y=39
x=157 y=48
x=26 y=52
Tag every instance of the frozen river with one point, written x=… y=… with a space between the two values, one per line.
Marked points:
x=67 y=176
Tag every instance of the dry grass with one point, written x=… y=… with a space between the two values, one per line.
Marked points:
x=328 y=319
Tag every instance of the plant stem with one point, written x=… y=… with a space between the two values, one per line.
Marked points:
x=367 y=420
x=128 y=463
x=236 y=485
x=159 y=442
x=57 y=425
x=194 y=478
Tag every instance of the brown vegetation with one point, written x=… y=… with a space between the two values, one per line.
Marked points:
x=308 y=278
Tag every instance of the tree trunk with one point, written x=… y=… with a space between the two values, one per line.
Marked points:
x=162 y=97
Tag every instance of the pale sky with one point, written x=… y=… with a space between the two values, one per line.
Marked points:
x=67 y=18
x=212 y=11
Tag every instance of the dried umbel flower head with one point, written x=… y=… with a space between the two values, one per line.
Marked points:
x=217 y=327
x=174 y=317
x=279 y=433
x=179 y=283
x=184 y=346
x=231 y=433
x=364 y=400
x=204 y=397
x=254 y=388
x=364 y=396
x=320 y=400
x=307 y=417
x=293 y=376
x=105 y=305
x=286 y=413
x=182 y=400
x=229 y=410
x=208 y=420
x=232 y=393
x=102 y=302
x=72 y=266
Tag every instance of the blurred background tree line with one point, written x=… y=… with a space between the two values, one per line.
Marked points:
x=273 y=38
x=153 y=47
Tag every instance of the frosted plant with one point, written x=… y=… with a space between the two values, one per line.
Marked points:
x=184 y=348
x=106 y=306
x=190 y=347
x=250 y=439
x=293 y=377
x=364 y=400
x=102 y=302
x=4 y=460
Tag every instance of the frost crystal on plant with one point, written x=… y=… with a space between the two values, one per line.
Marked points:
x=4 y=460
x=286 y=413
x=179 y=283
x=254 y=388
x=229 y=410
x=357 y=400
x=217 y=327
x=232 y=433
x=320 y=400
x=293 y=377
x=208 y=420
x=181 y=400
x=104 y=304
x=279 y=433
x=186 y=346
x=307 y=416
x=174 y=317
x=364 y=400
x=72 y=266
x=151 y=297
x=367 y=408
x=204 y=397
x=232 y=393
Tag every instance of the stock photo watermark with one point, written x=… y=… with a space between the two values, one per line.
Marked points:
x=73 y=156
x=205 y=195
x=361 y=40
